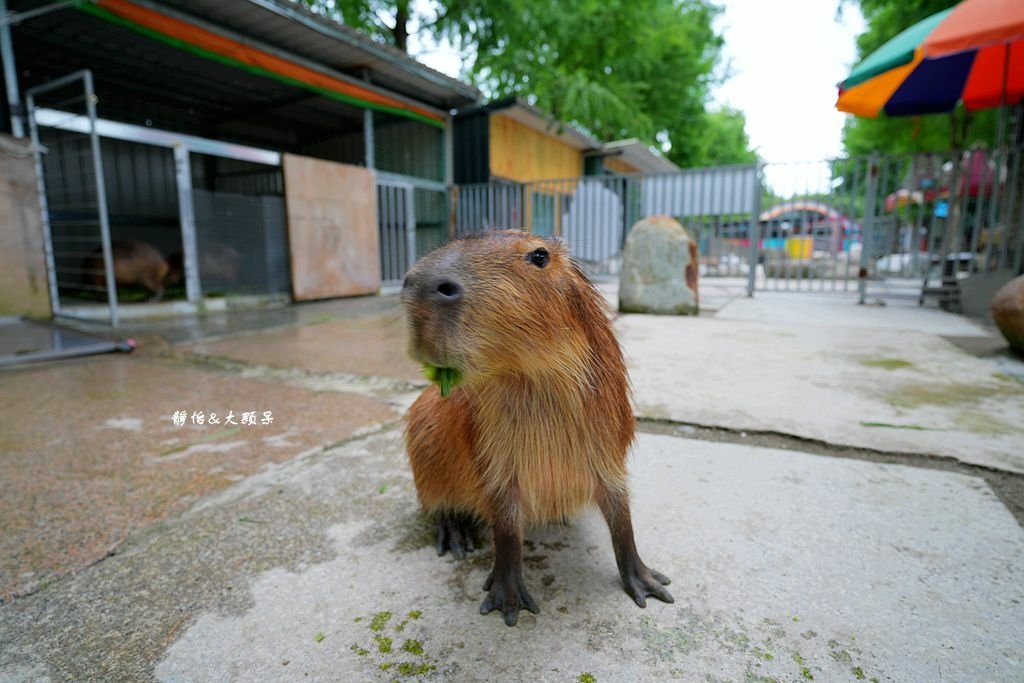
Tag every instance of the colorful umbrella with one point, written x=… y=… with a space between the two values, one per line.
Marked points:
x=973 y=52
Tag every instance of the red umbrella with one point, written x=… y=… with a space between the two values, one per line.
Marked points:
x=994 y=31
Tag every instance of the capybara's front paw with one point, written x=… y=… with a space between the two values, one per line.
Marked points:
x=507 y=594
x=641 y=581
x=457 y=532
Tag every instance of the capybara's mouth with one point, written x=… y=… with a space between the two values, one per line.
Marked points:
x=433 y=331
x=425 y=347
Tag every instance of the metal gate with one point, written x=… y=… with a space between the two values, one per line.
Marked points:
x=396 y=220
x=76 y=222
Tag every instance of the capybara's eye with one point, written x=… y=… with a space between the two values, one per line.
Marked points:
x=539 y=257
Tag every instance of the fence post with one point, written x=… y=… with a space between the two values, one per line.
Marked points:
x=187 y=218
x=453 y=211
x=101 y=197
x=754 y=231
x=868 y=227
x=44 y=213
x=410 y=229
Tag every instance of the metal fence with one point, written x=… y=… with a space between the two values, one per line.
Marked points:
x=412 y=219
x=940 y=219
x=884 y=225
x=594 y=214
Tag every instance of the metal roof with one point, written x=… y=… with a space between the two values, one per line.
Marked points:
x=537 y=119
x=290 y=26
x=147 y=82
x=639 y=155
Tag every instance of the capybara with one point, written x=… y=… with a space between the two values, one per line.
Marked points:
x=136 y=263
x=538 y=422
x=220 y=265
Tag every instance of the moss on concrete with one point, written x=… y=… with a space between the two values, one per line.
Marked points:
x=886 y=363
x=921 y=394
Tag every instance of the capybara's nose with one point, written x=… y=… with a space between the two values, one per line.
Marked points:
x=447 y=291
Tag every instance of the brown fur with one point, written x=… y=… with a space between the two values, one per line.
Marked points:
x=539 y=426
x=135 y=263
x=542 y=421
x=219 y=265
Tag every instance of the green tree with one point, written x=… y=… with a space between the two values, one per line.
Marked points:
x=617 y=68
x=724 y=139
x=885 y=19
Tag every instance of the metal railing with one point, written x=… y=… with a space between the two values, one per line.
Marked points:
x=883 y=225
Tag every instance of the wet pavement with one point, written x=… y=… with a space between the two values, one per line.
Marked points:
x=371 y=345
x=91 y=452
x=294 y=550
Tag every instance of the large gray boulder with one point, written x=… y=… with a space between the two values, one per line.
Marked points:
x=659 y=269
x=1008 y=312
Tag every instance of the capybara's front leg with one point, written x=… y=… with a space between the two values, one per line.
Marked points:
x=505 y=588
x=638 y=579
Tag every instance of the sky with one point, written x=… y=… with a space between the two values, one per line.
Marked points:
x=784 y=58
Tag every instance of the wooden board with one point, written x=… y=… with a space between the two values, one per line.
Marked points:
x=619 y=166
x=332 y=228
x=523 y=154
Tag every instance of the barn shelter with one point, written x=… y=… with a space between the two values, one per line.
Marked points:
x=258 y=149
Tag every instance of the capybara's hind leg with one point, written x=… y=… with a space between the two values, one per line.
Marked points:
x=457 y=532
x=638 y=579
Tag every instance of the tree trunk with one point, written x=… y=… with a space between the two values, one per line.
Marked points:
x=401 y=28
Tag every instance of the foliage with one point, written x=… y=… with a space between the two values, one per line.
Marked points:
x=617 y=68
x=389 y=21
x=723 y=139
x=885 y=19
x=919 y=133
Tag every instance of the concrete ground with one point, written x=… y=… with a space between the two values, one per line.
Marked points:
x=816 y=478
x=821 y=367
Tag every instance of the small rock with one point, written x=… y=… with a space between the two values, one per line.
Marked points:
x=659 y=269
x=1008 y=312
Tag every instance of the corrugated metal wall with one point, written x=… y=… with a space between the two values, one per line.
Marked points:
x=408 y=147
x=231 y=175
x=349 y=148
